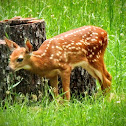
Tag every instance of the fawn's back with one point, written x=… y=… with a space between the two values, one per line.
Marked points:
x=87 y=44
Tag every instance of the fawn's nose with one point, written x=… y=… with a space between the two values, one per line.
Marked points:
x=8 y=69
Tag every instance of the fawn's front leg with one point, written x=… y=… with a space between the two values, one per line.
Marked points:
x=54 y=85
x=65 y=76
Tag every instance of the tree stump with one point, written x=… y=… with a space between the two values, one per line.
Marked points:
x=17 y=29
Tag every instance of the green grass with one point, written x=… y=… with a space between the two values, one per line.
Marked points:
x=61 y=16
x=101 y=112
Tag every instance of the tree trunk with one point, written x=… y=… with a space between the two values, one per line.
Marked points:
x=17 y=29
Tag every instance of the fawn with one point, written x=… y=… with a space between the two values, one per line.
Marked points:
x=84 y=46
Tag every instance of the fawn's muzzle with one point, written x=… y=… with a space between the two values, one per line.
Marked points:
x=8 y=69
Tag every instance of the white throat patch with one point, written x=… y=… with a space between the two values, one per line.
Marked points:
x=26 y=67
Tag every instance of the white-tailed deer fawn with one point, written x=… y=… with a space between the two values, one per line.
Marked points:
x=83 y=47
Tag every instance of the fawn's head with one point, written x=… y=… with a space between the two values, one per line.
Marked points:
x=19 y=59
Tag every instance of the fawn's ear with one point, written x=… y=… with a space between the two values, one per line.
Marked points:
x=28 y=46
x=12 y=45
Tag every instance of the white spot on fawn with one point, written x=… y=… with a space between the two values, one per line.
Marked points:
x=102 y=33
x=94 y=47
x=94 y=60
x=90 y=56
x=97 y=56
x=93 y=40
x=105 y=38
x=100 y=42
x=73 y=47
x=57 y=54
x=83 y=50
x=95 y=33
x=51 y=57
x=83 y=36
x=43 y=54
x=48 y=45
x=90 y=34
x=83 y=29
x=79 y=43
x=88 y=38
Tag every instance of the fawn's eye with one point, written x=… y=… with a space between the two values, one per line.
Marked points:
x=19 y=59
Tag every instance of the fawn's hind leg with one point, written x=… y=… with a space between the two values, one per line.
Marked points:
x=99 y=72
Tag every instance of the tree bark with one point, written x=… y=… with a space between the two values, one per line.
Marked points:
x=17 y=29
